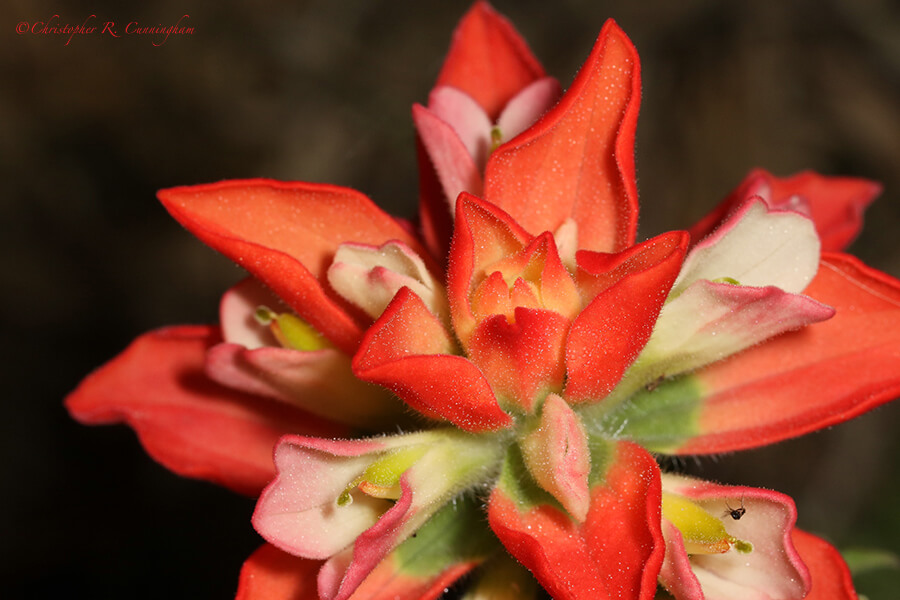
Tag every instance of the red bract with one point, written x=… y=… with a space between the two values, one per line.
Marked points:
x=525 y=384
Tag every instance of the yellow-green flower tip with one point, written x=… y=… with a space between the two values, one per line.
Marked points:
x=382 y=478
x=702 y=533
x=345 y=499
x=290 y=330
x=728 y=280
x=295 y=333
x=264 y=315
x=496 y=138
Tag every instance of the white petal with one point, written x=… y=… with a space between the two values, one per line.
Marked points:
x=756 y=247
x=526 y=107
x=455 y=167
x=236 y=311
x=370 y=276
x=461 y=112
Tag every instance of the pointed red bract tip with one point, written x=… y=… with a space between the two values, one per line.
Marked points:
x=577 y=161
x=488 y=59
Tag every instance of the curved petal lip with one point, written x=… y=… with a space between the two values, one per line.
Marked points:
x=187 y=422
x=774 y=569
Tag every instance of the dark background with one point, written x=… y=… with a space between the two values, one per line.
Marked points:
x=321 y=91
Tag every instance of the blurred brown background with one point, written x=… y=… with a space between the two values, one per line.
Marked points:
x=321 y=91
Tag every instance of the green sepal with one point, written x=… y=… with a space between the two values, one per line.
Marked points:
x=517 y=483
x=728 y=280
x=659 y=417
x=496 y=138
x=457 y=533
x=603 y=452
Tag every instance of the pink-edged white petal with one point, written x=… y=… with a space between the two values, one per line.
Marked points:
x=677 y=574
x=756 y=247
x=327 y=500
x=344 y=572
x=710 y=321
x=236 y=314
x=557 y=456
x=524 y=109
x=456 y=169
x=369 y=277
x=772 y=570
x=452 y=462
x=320 y=381
x=413 y=571
x=299 y=513
x=466 y=117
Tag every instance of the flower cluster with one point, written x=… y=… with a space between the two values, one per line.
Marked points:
x=482 y=394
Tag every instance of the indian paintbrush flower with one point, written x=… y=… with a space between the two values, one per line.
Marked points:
x=483 y=395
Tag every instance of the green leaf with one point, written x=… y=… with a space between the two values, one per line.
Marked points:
x=864 y=560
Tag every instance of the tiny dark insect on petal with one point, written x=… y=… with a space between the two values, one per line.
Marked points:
x=655 y=383
x=736 y=513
